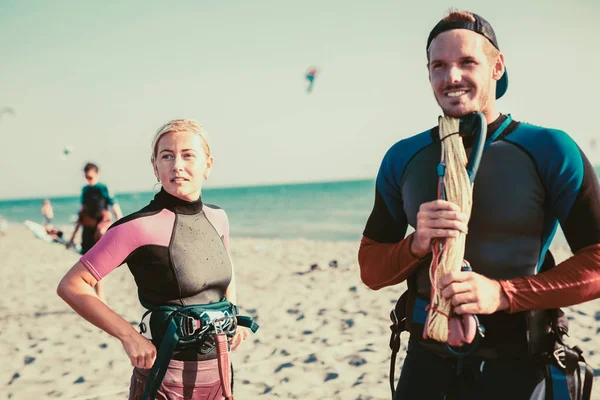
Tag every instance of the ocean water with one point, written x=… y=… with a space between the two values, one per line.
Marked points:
x=319 y=211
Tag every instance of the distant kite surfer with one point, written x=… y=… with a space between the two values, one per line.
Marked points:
x=310 y=77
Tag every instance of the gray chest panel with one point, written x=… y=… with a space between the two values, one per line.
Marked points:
x=200 y=260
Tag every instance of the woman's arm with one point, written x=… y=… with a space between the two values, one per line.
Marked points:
x=230 y=293
x=77 y=289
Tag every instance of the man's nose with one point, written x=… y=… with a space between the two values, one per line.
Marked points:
x=453 y=75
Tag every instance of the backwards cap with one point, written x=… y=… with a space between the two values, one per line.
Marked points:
x=480 y=26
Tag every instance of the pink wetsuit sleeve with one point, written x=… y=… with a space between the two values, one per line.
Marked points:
x=119 y=242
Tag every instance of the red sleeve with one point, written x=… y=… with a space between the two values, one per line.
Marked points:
x=386 y=264
x=574 y=281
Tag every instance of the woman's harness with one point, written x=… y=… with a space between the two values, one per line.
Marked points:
x=173 y=328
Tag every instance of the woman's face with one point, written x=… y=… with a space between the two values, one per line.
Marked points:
x=181 y=164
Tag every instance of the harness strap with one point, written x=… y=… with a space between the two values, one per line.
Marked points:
x=398 y=317
x=159 y=369
x=247 y=322
x=578 y=390
x=223 y=360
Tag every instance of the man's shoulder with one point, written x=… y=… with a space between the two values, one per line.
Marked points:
x=553 y=150
x=101 y=185
x=543 y=139
x=103 y=188
x=530 y=128
x=405 y=149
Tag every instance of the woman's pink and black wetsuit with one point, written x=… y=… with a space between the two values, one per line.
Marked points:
x=178 y=253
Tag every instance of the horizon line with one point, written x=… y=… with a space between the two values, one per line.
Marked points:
x=232 y=186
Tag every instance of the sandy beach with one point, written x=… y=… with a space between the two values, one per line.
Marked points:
x=323 y=334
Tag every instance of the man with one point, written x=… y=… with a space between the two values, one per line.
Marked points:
x=94 y=215
x=530 y=180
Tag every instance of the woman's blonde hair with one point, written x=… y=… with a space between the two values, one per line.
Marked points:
x=181 y=125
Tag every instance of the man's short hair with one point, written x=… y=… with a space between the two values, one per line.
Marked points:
x=90 y=167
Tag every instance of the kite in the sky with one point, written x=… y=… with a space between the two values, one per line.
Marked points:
x=310 y=76
x=67 y=152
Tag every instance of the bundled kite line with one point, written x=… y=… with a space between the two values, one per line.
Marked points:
x=454 y=186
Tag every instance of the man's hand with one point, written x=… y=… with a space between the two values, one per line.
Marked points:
x=472 y=293
x=437 y=219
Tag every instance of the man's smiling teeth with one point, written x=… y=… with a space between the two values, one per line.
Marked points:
x=456 y=94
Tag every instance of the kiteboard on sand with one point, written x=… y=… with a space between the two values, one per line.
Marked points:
x=40 y=232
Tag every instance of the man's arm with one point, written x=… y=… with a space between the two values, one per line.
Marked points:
x=116 y=209
x=577 y=279
x=72 y=240
x=574 y=281
x=386 y=264
x=112 y=202
x=384 y=255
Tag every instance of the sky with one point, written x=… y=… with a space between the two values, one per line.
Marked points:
x=103 y=76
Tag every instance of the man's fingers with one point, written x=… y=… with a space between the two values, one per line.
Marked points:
x=439 y=205
x=431 y=234
x=467 y=308
x=451 y=215
x=455 y=288
x=463 y=299
x=436 y=223
x=454 y=278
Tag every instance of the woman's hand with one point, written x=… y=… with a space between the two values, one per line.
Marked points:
x=240 y=335
x=141 y=351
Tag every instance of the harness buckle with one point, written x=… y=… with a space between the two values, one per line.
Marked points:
x=394 y=317
x=226 y=324
x=559 y=355
x=188 y=325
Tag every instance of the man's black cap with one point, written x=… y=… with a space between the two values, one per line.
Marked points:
x=480 y=26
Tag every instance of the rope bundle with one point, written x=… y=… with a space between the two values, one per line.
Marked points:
x=448 y=253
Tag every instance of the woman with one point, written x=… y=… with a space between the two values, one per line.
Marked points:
x=177 y=249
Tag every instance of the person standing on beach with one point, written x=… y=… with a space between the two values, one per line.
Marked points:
x=47 y=212
x=530 y=180
x=94 y=214
x=177 y=248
